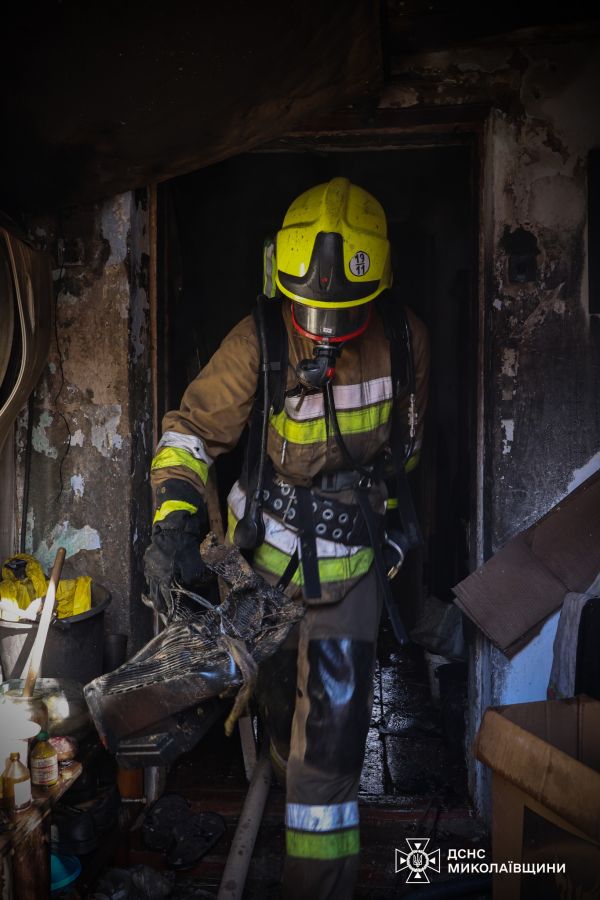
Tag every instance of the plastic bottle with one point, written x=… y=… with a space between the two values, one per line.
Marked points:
x=17 y=784
x=44 y=762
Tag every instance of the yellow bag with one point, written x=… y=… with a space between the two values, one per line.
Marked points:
x=73 y=596
x=23 y=591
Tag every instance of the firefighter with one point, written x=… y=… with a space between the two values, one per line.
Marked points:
x=313 y=506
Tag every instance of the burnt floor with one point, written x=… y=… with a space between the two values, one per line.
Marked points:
x=413 y=785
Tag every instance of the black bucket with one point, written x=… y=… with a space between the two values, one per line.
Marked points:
x=73 y=648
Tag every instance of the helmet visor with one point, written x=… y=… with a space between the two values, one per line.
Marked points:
x=319 y=322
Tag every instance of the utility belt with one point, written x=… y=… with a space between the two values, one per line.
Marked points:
x=332 y=520
x=315 y=516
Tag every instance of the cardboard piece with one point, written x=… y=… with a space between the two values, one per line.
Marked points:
x=511 y=595
x=545 y=762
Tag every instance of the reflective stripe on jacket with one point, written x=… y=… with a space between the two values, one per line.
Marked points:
x=217 y=405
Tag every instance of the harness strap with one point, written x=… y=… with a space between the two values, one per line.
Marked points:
x=372 y=523
x=399 y=337
x=289 y=571
x=273 y=342
x=308 y=545
x=277 y=345
x=406 y=509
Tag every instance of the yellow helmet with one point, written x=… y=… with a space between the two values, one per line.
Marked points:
x=332 y=258
x=332 y=250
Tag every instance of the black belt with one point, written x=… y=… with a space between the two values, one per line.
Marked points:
x=332 y=520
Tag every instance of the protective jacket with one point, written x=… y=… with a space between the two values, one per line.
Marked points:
x=217 y=405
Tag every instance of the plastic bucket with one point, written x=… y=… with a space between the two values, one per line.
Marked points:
x=73 y=648
x=64 y=870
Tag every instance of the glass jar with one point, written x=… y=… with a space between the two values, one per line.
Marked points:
x=24 y=708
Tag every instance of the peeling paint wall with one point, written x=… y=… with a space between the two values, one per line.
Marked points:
x=544 y=403
x=92 y=417
x=544 y=344
x=541 y=346
x=544 y=392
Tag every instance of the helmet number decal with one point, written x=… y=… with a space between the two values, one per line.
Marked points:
x=360 y=263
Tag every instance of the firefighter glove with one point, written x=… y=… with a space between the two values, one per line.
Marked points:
x=173 y=557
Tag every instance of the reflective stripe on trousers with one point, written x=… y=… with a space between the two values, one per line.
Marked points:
x=333 y=699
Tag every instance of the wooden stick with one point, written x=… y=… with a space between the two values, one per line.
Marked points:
x=215 y=519
x=44 y=626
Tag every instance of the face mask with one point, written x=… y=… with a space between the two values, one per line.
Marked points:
x=314 y=373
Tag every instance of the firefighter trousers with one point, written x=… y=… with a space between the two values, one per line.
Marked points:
x=316 y=696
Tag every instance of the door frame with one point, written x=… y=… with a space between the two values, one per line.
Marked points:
x=402 y=129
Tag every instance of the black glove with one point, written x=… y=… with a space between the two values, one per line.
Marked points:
x=173 y=556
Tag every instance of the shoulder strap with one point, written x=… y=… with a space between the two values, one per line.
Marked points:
x=397 y=331
x=250 y=529
x=268 y=317
x=277 y=349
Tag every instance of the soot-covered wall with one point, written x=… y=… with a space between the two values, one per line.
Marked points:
x=91 y=431
x=540 y=344
x=543 y=402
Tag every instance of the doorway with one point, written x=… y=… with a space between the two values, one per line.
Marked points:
x=213 y=226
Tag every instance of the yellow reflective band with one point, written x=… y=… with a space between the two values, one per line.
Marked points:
x=231 y=523
x=173 y=456
x=413 y=462
x=391 y=503
x=313 y=431
x=328 y=304
x=170 y=506
x=322 y=845
x=331 y=568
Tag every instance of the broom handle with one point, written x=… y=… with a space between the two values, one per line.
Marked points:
x=44 y=626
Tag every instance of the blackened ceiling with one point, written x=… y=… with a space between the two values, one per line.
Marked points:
x=410 y=26
x=97 y=98
x=103 y=97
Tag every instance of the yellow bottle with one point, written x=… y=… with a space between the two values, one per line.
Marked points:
x=44 y=762
x=16 y=784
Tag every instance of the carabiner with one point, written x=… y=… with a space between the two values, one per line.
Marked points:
x=393 y=570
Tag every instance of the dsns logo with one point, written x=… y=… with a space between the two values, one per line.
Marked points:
x=417 y=861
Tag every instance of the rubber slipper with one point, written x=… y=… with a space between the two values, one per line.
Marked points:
x=193 y=838
x=161 y=818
